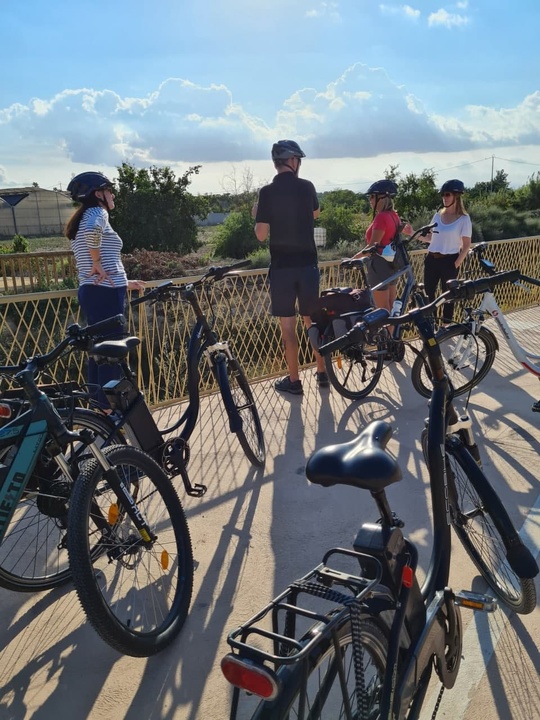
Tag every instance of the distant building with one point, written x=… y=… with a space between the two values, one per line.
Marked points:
x=33 y=212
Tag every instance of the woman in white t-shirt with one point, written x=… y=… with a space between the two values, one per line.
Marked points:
x=448 y=244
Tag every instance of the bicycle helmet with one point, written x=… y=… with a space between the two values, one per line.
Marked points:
x=83 y=185
x=383 y=187
x=286 y=149
x=453 y=186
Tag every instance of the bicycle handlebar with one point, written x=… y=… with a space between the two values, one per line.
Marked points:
x=376 y=319
x=372 y=249
x=167 y=290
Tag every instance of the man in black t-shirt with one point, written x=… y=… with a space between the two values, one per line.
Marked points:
x=286 y=210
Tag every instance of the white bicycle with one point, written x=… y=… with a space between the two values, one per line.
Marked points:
x=469 y=347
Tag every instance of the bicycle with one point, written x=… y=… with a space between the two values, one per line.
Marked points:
x=113 y=513
x=469 y=347
x=370 y=651
x=132 y=420
x=356 y=370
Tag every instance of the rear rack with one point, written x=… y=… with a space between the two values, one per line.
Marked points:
x=286 y=614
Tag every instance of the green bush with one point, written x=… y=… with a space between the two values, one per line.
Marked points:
x=260 y=258
x=20 y=244
x=235 y=238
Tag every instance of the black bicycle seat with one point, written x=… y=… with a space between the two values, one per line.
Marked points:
x=361 y=463
x=114 y=348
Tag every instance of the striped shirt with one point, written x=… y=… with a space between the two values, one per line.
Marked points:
x=95 y=232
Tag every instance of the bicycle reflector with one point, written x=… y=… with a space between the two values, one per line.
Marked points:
x=5 y=411
x=246 y=675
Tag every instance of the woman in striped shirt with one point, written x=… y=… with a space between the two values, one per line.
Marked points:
x=103 y=282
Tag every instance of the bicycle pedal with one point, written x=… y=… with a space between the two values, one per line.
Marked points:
x=197 y=490
x=475 y=601
x=536 y=406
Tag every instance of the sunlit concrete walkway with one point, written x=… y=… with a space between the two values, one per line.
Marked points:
x=253 y=532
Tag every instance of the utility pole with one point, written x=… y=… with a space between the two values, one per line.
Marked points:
x=492 y=163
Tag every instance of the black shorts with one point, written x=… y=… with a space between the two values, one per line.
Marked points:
x=287 y=285
x=379 y=270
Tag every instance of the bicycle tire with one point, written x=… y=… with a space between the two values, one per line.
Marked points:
x=479 y=518
x=235 y=389
x=355 y=371
x=321 y=690
x=465 y=362
x=136 y=597
x=33 y=554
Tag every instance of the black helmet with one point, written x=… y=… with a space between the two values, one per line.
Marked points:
x=286 y=149
x=83 y=185
x=383 y=187
x=453 y=186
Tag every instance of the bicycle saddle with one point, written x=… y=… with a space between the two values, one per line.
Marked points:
x=361 y=463
x=114 y=348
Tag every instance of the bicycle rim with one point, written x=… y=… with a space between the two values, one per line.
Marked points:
x=33 y=554
x=475 y=521
x=320 y=696
x=250 y=435
x=467 y=360
x=135 y=595
x=355 y=371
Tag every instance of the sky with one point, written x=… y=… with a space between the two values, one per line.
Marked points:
x=362 y=86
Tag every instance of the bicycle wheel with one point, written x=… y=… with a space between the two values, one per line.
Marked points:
x=238 y=392
x=136 y=595
x=33 y=554
x=479 y=518
x=467 y=359
x=355 y=371
x=320 y=693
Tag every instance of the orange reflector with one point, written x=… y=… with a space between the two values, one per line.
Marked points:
x=407 y=576
x=113 y=514
x=165 y=560
x=246 y=675
x=472 y=604
x=5 y=410
x=339 y=361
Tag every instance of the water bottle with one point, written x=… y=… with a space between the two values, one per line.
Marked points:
x=396 y=308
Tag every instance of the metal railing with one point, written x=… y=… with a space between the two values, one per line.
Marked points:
x=33 y=322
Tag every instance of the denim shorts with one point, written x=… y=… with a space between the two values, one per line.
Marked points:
x=292 y=284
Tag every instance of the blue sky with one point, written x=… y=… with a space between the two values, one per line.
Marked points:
x=361 y=85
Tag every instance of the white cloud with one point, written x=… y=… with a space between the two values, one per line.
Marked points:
x=362 y=114
x=405 y=10
x=446 y=19
x=328 y=10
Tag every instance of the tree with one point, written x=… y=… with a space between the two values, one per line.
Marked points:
x=153 y=209
x=235 y=238
x=417 y=194
x=344 y=198
x=498 y=184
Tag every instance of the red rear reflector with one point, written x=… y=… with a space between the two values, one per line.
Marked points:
x=407 y=576
x=5 y=410
x=246 y=675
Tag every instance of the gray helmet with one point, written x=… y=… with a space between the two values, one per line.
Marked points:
x=286 y=149
x=82 y=186
x=453 y=186
x=383 y=187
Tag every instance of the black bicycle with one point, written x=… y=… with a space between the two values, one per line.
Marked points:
x=358 y=637
x=355 y=369
x=113 y=512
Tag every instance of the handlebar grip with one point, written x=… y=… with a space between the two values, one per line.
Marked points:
x=105 y=326
x=138 y=300
x=374 y=319
x=242 y=263
x=150 y=294
x=470 y=288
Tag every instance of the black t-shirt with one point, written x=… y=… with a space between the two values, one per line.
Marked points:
x=287 y=205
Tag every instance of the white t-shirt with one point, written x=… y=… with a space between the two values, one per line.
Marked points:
x=95 y=231
x=446 y=239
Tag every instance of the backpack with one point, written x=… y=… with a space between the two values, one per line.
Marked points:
x=339 y=307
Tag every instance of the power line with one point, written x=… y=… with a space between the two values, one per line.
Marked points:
x=519 y=162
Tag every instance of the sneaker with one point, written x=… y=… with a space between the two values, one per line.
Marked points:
x=285 y=385
x=322 y=379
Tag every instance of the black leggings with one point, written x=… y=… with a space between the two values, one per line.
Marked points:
x=440 y=269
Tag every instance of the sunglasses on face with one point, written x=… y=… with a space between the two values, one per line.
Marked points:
x=447 y=194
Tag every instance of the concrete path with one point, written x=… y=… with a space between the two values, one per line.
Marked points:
x=254 y=532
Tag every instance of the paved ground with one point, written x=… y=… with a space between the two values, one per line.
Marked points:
x=254 y=532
